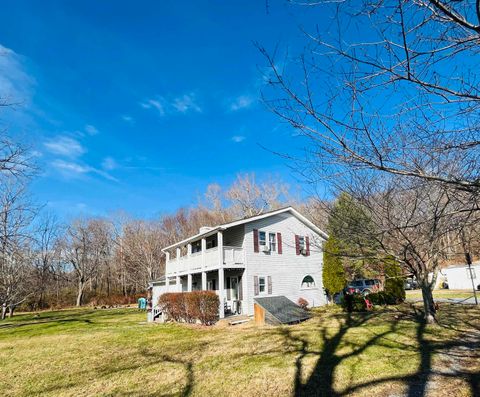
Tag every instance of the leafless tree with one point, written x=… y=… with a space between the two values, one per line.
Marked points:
x=16 y=215
x=248 y=198
x=86 y=247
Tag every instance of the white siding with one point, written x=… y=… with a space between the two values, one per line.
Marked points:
x=287 y=269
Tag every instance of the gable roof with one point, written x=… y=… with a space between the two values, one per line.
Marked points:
x=254 y=218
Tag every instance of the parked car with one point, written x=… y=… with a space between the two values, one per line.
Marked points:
x=410 y=283
x=364 y=286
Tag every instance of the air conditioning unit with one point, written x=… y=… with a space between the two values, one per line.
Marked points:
x=303 y=251
x=265 y=248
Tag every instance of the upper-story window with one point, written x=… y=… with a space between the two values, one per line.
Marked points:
x=196 y=246
x=262 y=238
x=272 y=241
x=302 y=243
x=211 y=242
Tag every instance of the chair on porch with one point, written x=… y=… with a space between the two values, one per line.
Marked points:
x=227 y=308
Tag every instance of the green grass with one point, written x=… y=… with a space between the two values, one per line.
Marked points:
x=442 y=294
x=115 y=353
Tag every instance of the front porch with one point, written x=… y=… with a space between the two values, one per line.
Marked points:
x=227 y=283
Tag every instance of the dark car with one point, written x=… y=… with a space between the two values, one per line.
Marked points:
x=364 y=286
x=410 y=283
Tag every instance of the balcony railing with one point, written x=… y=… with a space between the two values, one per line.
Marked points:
x=231 y=256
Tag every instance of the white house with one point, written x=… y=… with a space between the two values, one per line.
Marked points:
x=278 y=253
x=460 y=276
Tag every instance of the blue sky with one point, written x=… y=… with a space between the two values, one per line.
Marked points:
x=140 y=105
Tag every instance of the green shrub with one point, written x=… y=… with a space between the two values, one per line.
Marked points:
x=383 y=298
x=334 y=279
x=394 y=280
x=358 y=303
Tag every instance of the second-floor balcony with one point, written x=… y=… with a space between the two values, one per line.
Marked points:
x=209 y=259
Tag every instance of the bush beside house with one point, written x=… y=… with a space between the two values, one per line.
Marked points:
x=190 y=307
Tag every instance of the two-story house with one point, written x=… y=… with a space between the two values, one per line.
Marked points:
x=278 y=253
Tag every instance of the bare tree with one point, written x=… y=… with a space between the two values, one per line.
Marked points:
x=86 y=247
x=248 y=198
x=16 y=215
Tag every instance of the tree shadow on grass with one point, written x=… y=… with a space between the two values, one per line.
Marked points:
x=322 y=379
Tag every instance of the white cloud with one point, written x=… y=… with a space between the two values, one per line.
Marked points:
x=15 y=83
x=109 y=163
x=70 y=169
x=153 y=104
x=128 y=119
x=242 y=102
x=183 y=104
x=238 y=138
x=65 y=146
x=186 y=103
x=91 y=130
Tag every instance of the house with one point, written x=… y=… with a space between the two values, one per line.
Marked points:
x=278 y=253
x=460 y=277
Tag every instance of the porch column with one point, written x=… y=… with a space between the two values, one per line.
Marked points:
x=178 y=284
x=220 y=248
x=189 y=282
x=204 y=248
x=204 y=281
x=178 y=252
x=189 y=249
x=221 y=291
x=167 y=257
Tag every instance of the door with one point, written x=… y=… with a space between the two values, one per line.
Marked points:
x=234 y=287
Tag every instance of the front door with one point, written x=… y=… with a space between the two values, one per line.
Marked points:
x=234 y=287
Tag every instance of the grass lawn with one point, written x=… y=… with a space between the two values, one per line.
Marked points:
x=115 y=353
x=442 y=294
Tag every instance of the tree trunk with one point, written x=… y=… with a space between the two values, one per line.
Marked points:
x=428 y=304
x=81 y=286
x=11 y=309
x=4 y=311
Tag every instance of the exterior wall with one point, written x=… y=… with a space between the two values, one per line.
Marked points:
x=458 y=277
x=234 y=236
x=288 y=269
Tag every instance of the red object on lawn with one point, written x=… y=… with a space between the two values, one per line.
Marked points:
x=368 y=304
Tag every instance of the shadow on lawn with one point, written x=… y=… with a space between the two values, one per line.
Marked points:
x=321 y=380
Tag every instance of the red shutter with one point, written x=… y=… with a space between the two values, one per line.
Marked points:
x=279 y=242
x=297 y=244
x=307 y=243
x=255 y=241
x=269 y=285
x=256 y=290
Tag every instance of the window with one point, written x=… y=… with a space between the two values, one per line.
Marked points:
x=272 y=241
x=262 y=286
x=211 y=243
x=369 y=282
x=308 y=282
x=262 y=238
x=211 y=285
x=301 y=242
x=196 y=246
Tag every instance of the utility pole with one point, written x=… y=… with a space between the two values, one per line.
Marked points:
x=469 y=263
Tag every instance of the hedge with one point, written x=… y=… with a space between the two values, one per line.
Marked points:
x=190 y=307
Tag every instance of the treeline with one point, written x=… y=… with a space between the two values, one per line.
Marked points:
x=46 y=262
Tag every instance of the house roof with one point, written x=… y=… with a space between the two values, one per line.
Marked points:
x=238 y=222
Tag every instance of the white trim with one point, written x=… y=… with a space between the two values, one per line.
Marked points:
x=266 y=285
x=225 y=226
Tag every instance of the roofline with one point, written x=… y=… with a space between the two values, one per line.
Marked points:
x=238 y=222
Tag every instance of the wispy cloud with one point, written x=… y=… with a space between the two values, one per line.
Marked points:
x=91 y=130
x=238 y=138
x=128 y=119
x=70 y=169
x=242 y=102
x=182 y=104
x=15 y=83
x=186 y=103
x=153 y=104
x=65 y=146
x=109 y=164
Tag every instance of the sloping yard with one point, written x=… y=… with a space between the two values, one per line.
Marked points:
x=115 y=353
